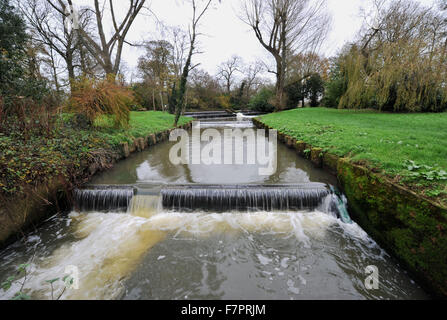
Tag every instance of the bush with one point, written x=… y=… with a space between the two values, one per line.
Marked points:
x=262 y=101
x=94 y=99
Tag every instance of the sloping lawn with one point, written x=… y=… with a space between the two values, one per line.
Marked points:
x=410 y=148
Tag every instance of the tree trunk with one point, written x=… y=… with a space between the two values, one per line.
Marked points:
x=183 y=82
x=280 y=84
x=153 y=100
x=70 y=68
x=162 y=102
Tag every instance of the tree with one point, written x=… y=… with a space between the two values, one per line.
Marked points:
x=156 y=63
x=227 y=71
x=178 y=96
x=303 y=65
x=252 y=79
x=399 y=62
x=295 y=94
x=314 y=88
x=286 y=26
x=48 y=20
x=303 y=69
x=179 y=41
x=19 y=64
x=21 y=85
x=13 y=41
x=108 y=52
x=204 y=90
x=156 y=67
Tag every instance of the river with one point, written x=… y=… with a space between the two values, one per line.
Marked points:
x=154 y=250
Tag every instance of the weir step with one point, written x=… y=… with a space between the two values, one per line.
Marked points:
x=214 y=198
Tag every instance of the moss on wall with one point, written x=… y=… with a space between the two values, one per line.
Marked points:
x=412 y=228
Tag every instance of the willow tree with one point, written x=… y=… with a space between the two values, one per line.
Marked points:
x=287 y=26
x=400 y=63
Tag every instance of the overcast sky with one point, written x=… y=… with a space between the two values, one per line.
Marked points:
x=226 y=34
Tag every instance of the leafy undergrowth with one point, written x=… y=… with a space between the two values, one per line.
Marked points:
x=37 y=159
x=409 y=148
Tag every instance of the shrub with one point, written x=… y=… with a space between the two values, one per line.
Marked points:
x=97 y=98
x=262 y=101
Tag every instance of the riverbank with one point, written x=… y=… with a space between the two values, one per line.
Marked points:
x=401 y=204
x=37 y=174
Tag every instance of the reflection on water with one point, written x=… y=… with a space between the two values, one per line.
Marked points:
x=153 y=166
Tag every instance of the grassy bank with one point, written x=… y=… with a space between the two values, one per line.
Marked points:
x=409 y=148
x=26 y=162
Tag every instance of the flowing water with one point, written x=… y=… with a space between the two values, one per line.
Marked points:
x=148 y=229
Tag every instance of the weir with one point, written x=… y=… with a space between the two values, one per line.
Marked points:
x=103 y=198
x=213 y=198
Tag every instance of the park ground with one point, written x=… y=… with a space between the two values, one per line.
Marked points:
x=411 y=149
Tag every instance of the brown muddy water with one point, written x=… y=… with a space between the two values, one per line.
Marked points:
x=153 y=251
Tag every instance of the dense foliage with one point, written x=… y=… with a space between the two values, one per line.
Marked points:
x=19 y=78
x=399 y=67
x=97 y=98
x=13 y=40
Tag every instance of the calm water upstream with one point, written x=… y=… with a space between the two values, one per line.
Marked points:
x=149 y=252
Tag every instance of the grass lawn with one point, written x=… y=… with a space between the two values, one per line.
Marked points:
x=38 y=159
x=410 y=148
x=141 y=124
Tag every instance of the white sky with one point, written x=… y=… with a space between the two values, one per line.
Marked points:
x=226 y=35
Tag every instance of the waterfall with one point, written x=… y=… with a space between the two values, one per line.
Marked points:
x=214 y=199
x=244 y=198
x=103 y=198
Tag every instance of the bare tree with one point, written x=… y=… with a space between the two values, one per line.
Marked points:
x=179 y=41
x=108 y=52
x=178 y=96
x=287 y=26
x=252 y=78
x=228 y=69
x=48 y=20
x=303 y=66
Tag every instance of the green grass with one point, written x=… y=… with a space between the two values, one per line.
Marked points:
x=411 y=148
x=65 y=152
x=141 y=124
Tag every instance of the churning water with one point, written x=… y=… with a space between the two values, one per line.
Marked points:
x=159 y=231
